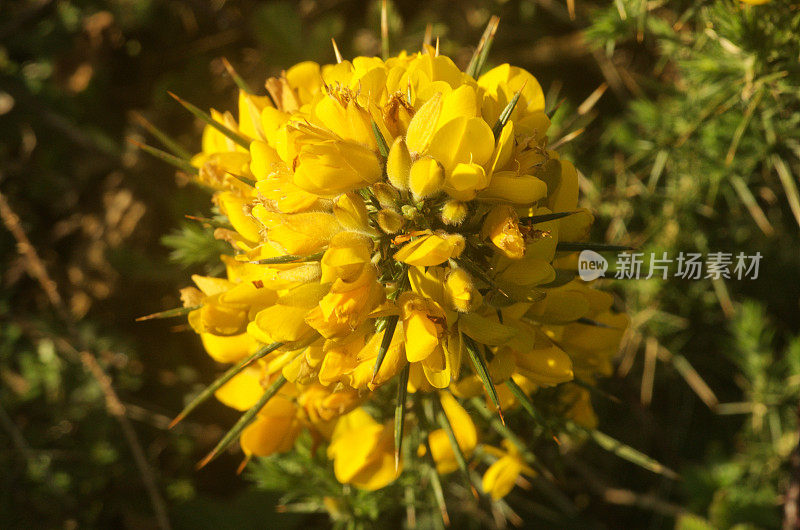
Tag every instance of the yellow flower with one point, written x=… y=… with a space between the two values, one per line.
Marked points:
x=363 y=451
x=346 y=255
x=500 y=477
x=330 y=168
x=502 y=228
x=275 y=429
x=439 y=441
x=431 y=249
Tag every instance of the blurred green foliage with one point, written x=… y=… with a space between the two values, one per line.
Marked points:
x=693 y=147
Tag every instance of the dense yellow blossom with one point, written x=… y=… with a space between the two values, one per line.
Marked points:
x=400 y=212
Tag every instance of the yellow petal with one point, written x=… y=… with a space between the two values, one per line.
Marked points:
x=500 y=477
x=279 y=323
x=422 y=126
x=462 y=140
x=243 y=390
x=425 y=178
x=229 y=349
x=398 y=164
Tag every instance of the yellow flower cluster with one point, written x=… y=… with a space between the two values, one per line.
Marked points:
x=389 y=216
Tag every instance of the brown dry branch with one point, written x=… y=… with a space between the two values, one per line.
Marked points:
x=38 y=271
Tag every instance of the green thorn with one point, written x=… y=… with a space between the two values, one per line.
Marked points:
x=163 y=137
x=444 y=423
x=524 y=400
x=172 y=160
x=245 y=180
x=169 y=313
x=400 y=414
x=480 y=368
x=481 y=275
x=436 y=486
x=386 y=341
x=289 y=258
x=224 y=378
x=245 y=420
x=239 y=80
x=564 y=246
x=626 y=452
x=536 y=219
x=481 y=53
x=589 y=322
x=233 y=135
x=383 y=148
x=506 y=114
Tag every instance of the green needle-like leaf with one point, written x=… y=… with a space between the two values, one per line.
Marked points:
x=233 y=135
x=625 y=452
x=239 y=80
x=246 y=419
x=444 y=423
x=172 y=160
x=564 y=246
x=506 y=114
x=383 y=148
x=391 y=324
x=400 y=414
x=169 y=313
x=224 y=378
x=536 y=219
x=483 y=373
x=289 y=258
x=436 y=486
x=163 y=137
x=524 y=400
x=481 y=53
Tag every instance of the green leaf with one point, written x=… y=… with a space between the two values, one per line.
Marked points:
x=172 y=145
x=564 y=246
x=400 y=413
x=478 y=60
x=169 y=313
x=483 y=373
x=172 y=160
x=289 y=258
x=234 y=136
x=245 y=420
x=382 y=147
x=386 y=341
x=506 y=114
x=625 y=452
x=224 y=378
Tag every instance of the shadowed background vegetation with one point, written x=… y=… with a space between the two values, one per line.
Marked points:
x=692 y=146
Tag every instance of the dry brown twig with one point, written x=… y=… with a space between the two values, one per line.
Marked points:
x=38 y=271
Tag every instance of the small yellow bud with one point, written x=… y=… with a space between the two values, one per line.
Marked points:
x=461 y=291
x=426 y=178
x=398 y=164
x=387 y=196
x=390 y=221
x=351 y=212
x=454 y=212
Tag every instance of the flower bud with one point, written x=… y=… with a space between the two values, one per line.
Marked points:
x=454 y=212
x=461 y=291
x=426 y=178
x=387 y=196
x=351 y=212
x=390 y=221
x=398 y=164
